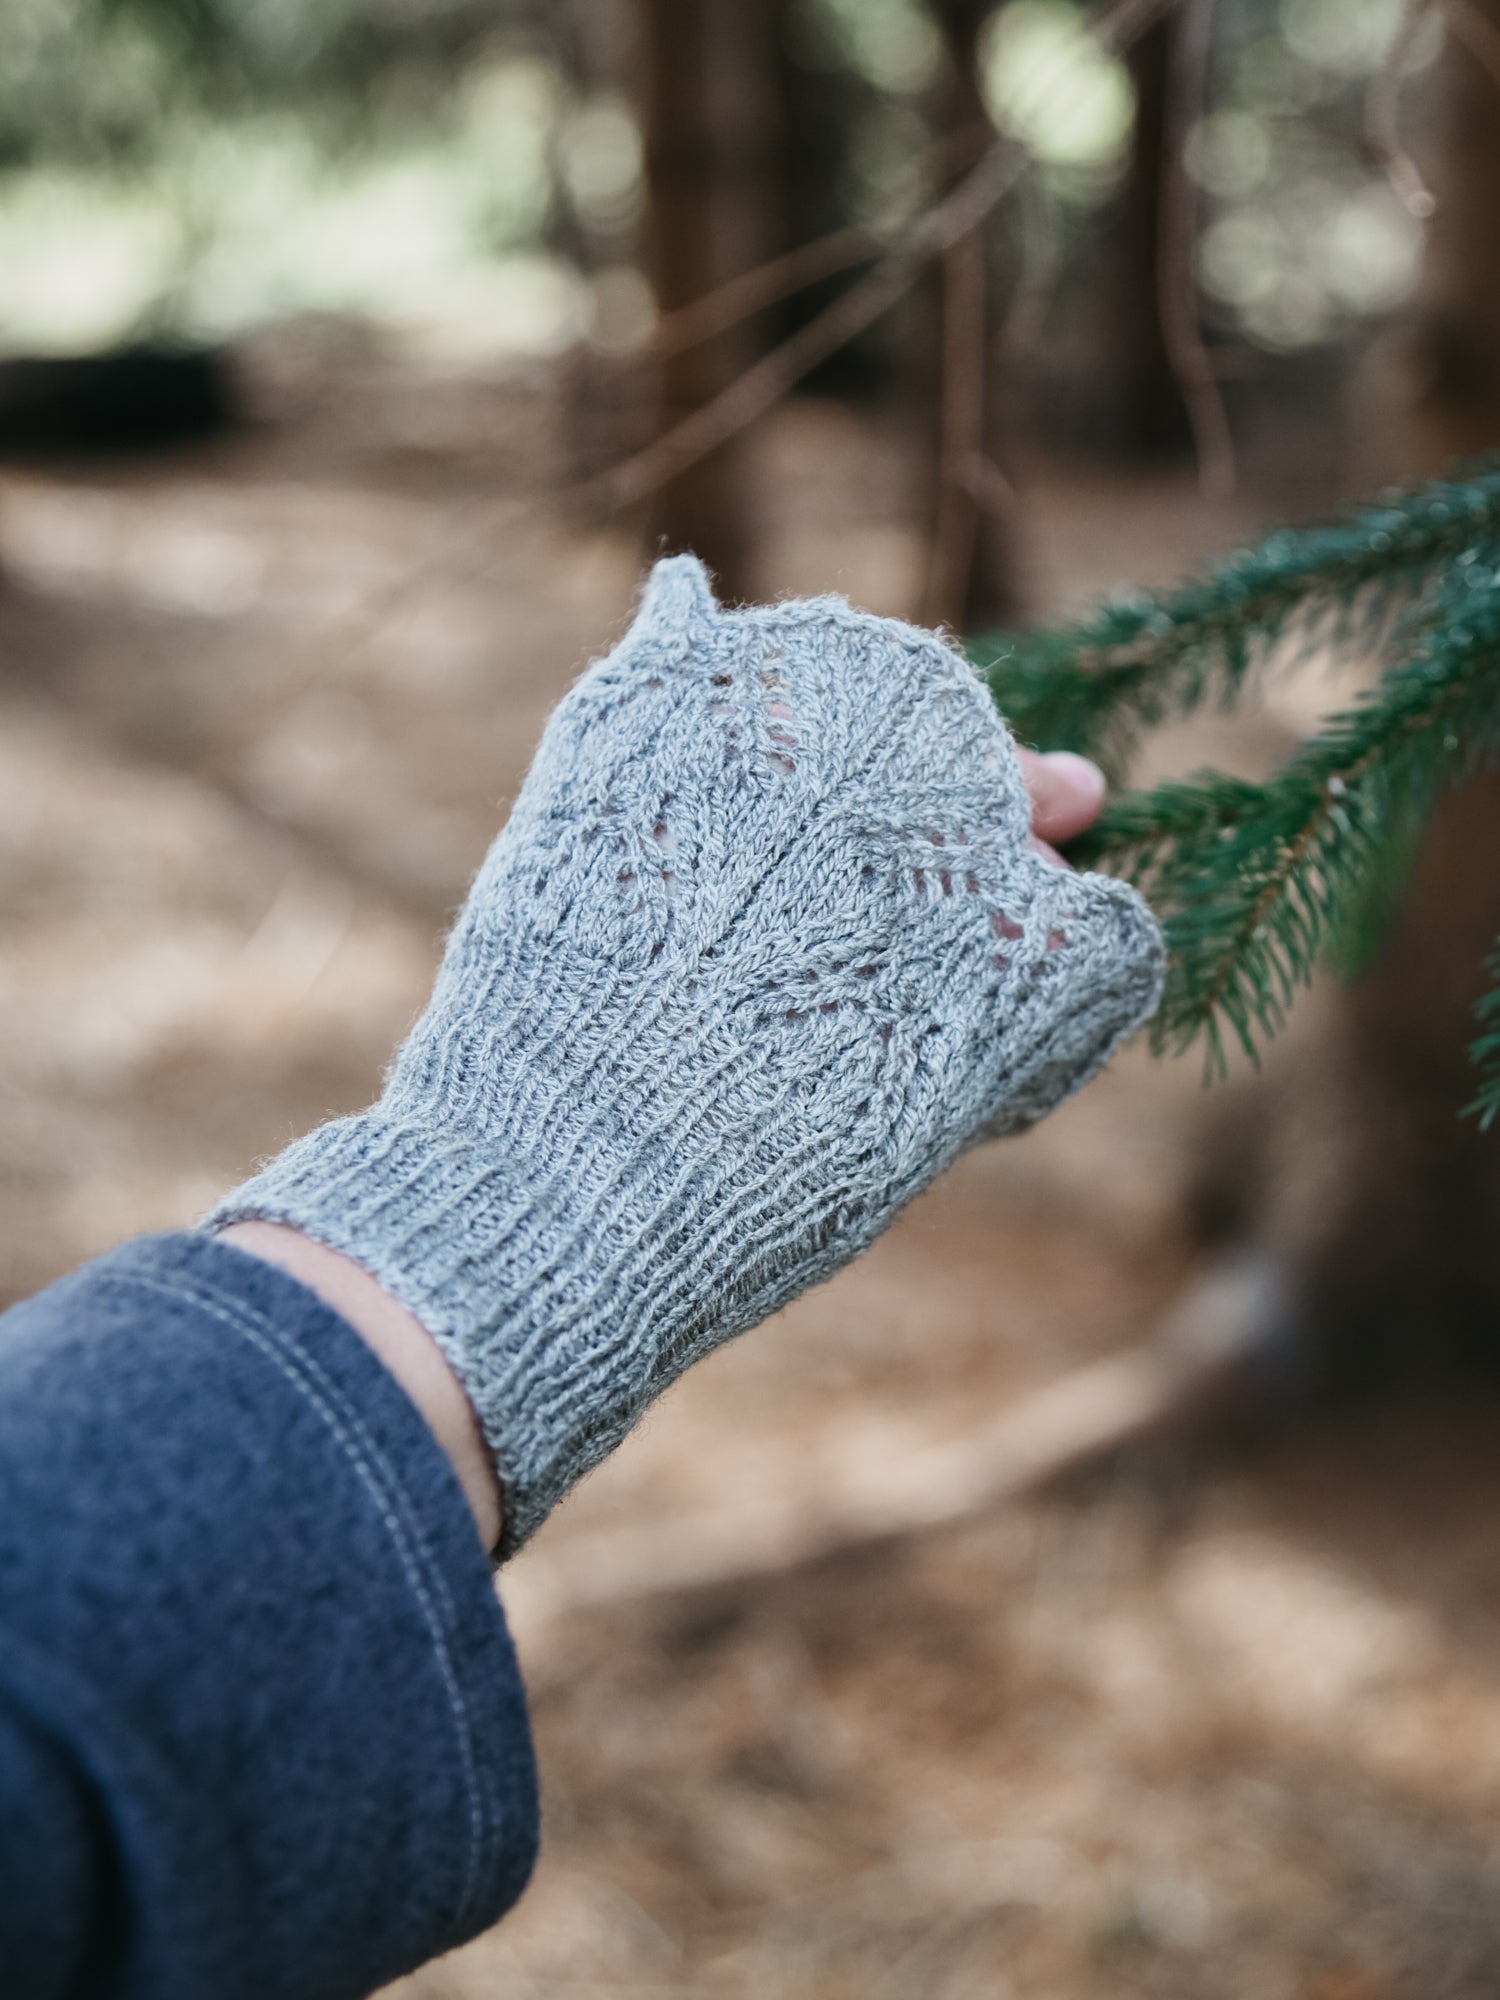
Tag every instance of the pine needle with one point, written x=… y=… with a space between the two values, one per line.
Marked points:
x=1096 y=685
x=1485 y=1049
x=1257 y=883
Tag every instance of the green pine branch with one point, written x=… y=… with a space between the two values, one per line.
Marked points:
x=1096 y=685
x=1255 y=883
x=1485 y=1049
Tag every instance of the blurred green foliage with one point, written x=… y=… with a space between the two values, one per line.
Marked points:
x=101 y=80
x=205 y=165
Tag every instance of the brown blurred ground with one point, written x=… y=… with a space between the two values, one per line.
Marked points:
x=1227 y=1730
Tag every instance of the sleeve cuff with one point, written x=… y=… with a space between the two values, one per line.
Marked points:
x=238 y=1576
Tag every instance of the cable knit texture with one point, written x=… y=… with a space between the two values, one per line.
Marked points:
x=762 y=946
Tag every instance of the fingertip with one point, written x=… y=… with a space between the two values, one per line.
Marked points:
x=1067 y=793
x=1080 y=774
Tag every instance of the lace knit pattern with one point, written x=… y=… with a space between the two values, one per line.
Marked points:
x=762 y=946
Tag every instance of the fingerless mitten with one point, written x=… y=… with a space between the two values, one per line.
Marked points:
x=761 y=947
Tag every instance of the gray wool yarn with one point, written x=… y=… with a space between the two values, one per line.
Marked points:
x=761 y=948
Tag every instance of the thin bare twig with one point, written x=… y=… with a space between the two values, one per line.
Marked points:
x=765 y=383
x=952 y=218
x=962 y=210
x=767 y=285
x=991 y=489
x=783 y=276
x=1176 y=282
x=795 y=270
x=757 y=390
x=1383 y=114
x=1045 y=1435
x=1201 y=1368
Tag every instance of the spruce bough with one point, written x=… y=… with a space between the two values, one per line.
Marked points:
x=1255 y=883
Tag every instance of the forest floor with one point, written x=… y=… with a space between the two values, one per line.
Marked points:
x=1204 y=1728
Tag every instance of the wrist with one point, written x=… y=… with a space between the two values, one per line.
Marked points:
x=531 y=1280
x=401 y=1342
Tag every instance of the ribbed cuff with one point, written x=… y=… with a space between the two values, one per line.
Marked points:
x=498 y=1263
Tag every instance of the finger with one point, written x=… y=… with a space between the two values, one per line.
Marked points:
x=1067 y=793
x=1047 y=851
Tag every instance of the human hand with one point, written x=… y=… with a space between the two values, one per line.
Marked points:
x=763 y=945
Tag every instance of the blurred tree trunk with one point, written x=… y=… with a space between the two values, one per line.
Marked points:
x=1456 y=342
x=972 y=580
x=712 y=134
x=1149 y=418
x=820 y=109
x=1394 y=1252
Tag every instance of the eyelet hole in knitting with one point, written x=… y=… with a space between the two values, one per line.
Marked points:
x=780 y=718
x=730 y=716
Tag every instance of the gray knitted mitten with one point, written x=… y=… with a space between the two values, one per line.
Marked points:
x=761 y=948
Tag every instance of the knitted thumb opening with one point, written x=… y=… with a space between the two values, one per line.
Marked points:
x=678 y=597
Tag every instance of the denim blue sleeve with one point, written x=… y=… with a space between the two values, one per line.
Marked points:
x=261 y=1727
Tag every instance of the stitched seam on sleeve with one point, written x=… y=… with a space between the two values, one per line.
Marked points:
x=380 y=1482
x=349 y=1413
